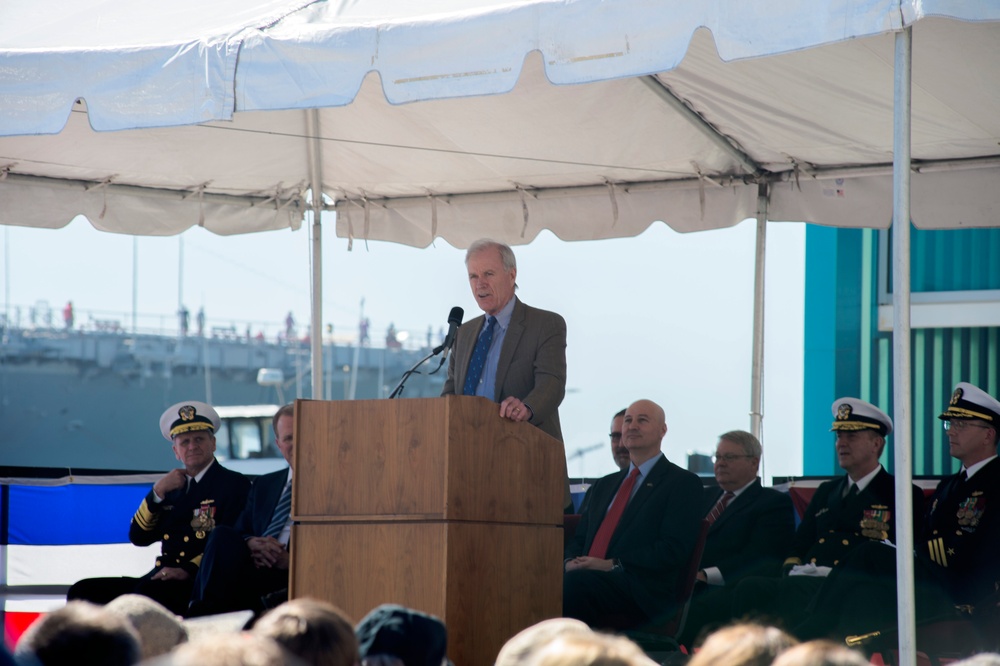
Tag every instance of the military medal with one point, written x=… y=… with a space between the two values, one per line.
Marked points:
x=875 y=522
x=204 y=519
x=970 y=512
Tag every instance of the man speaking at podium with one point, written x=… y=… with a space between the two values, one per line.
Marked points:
x=514 y=354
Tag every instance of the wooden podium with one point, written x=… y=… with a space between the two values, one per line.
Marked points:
x=436 y=504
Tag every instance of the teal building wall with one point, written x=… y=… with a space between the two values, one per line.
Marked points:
x=848 y=275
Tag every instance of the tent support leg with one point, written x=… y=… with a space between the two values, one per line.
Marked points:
x=316 y=258
x=902 y=435
x=757 y=370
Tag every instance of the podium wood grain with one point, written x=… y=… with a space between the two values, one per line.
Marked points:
x=435 y=504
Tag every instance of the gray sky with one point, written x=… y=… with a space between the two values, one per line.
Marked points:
x=664 y=316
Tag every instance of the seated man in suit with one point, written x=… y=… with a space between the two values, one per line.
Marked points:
x=843 y=514
x=752 y=529
x=181 y=511
x=618 y=452
x=621 y=568
x=249 y=561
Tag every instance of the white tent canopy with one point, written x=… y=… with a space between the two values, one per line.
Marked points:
x=665 y=129
x=468 y=118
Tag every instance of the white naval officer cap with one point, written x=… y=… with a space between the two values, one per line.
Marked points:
x=855 y=414
x=971 y=402
x=188 y=416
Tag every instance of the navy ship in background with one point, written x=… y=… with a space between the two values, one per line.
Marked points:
x=91 y=399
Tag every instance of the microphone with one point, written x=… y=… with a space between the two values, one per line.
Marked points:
x=454 y=321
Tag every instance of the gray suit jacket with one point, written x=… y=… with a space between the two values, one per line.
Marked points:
x=531 y=367
x=532 y=364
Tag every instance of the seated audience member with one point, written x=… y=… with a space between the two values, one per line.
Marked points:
x=618 y=452
x=242 y=648
x=751 y=531
x=820 y=653
x=742 y=645
x=622 y=566
x=526 y=643
x=593 y=649
x=395 y=632
x=181 y=511
x=956 y=543
x=160 y=631
x=843 y=514
x=982 y=659
x=317 y=632
x=246 y=563
x=77 y=633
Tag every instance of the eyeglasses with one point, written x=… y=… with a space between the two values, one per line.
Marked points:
x=615 y=436
x=730 y=457
x=961 y=424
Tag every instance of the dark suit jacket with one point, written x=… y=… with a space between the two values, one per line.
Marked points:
x=656 y=534
x=220 y=495
x=531 y=367
x=264 y=496
x=752 y=535
x=833 y=525
x=960 y=540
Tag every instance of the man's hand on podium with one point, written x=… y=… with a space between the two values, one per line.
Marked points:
x=515 y=410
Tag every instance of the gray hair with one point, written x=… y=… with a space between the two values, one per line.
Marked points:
x=750 y=444
x=506 y=254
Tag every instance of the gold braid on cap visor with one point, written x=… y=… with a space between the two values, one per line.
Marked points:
x=188 y=427
x=962 y=413
x=854 y=425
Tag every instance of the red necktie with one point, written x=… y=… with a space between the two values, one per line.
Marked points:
x=720 y=506
x=599 y=548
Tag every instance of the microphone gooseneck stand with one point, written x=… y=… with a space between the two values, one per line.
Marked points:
x=396 y=392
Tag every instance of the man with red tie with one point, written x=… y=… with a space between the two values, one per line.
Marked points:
x=636 y=534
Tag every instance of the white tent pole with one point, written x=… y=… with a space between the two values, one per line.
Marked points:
x=757 y=369
x=314 y=150
x=906 y=614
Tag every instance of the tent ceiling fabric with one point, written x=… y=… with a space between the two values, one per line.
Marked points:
x=461 y=119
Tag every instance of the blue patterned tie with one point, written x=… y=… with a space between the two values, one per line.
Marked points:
x=281 y=511
x=478 y=361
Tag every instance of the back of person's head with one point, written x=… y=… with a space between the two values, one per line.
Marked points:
x=589 y=649
x=242 y=648
x=742 y=645
x=316 y=631
x=415 y=638
x=529 y=641
x=820 y=653
x=981 y=659
x=160 y=631
x=81 y=632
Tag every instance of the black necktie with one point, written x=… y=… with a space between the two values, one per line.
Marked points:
x=853 y=491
